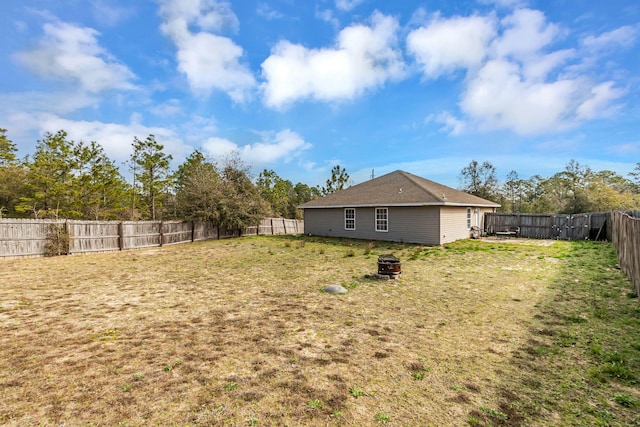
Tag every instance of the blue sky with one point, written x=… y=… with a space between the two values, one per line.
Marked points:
x=299 y=86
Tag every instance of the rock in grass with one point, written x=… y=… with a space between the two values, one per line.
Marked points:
x=334 y=289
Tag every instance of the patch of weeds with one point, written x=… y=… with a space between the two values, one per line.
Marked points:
x=57 y=240
x=474 y=421
x=625 y=400
x=356 y=392
x=108 y=335
x=494 y=413
x=138 y=376
x=338 y=414
x=321 y=251
x=604 y=416
x=415 y=255
x=417 y=375
x=300 y=243
x=349 y=253
x=171 y=366
x=314 y=403
x=382 y=418
x=252 y=421
x=351 y=285
x=600 y=313
x=368 y=248
x=127 y=387
x=457 y=387
x=576 y=319
x=417 y=370
x=287 y=243
x=230 y=386
x=618 y=371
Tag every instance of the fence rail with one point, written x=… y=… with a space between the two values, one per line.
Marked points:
x=31 y=237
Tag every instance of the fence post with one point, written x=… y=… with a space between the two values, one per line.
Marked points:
x=121 y=236
x=67 y=231
x=161 y=233
x=193 y=231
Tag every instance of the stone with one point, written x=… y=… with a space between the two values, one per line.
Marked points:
x=335 y=289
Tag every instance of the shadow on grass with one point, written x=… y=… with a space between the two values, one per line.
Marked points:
x=579 y=365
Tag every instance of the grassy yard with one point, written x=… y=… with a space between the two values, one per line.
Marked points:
x=238 y=333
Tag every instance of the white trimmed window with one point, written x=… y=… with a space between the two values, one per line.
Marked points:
x=468 y=218
x=350 y=219
x=382 y=219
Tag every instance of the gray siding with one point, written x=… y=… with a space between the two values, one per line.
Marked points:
x=406 y=224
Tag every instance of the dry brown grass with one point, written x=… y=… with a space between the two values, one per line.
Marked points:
x=237 y=332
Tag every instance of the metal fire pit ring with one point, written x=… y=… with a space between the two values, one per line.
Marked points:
x=389 y=265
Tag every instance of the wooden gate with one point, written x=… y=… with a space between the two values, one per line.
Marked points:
x=592 y=226
x=561 y=228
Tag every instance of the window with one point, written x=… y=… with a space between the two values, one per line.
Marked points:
x=382 y=219
x=350 y=219
x=468 y=218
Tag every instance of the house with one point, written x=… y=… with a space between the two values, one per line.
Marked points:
x=398 y=207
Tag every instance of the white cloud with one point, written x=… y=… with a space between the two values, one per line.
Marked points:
x=266 y=11
x=208 y=15
x=169 y=108
x=498 y=97
x=71 y=53
x=283 y=145
x=507 y=4
x=446 y=44
x=54 y=102
x=209 y=61
x=600 y=101
x=116 y=139
x=624 y=36
x=365 y=57
x=450 y=124
x=109 y=14
x=526 y=33
x=514 y=78
x=347 y=5
x=326 y=15
x=538 y=68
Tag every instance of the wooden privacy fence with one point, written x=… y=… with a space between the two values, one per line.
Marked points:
x=31 y=237
x=592 y=226
x=625 y=237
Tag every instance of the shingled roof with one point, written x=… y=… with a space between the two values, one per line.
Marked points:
x=398 y=188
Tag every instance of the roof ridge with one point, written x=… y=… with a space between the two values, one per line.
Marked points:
x=414 y=179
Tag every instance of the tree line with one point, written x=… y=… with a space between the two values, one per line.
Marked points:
x=576 y=189
x=68 y=179
x=77 y=180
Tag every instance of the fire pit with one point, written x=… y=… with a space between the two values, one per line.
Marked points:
x=389 y=265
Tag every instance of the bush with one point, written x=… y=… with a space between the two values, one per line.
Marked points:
x=57 y=240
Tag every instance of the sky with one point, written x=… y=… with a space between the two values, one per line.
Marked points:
x=299 y=86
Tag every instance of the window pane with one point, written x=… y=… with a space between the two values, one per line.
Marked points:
x=350 y=219
x=382 y=219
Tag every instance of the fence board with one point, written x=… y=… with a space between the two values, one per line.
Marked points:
x=546 y=226
x=278 y=226
x=25 y=237
x=626 y=240
x=29 y=237
x=265 y=227
x=93 y=236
